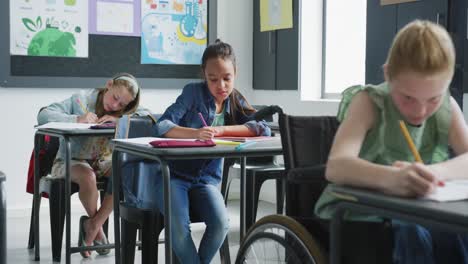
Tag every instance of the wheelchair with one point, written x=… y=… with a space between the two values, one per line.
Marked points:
x=300 y=236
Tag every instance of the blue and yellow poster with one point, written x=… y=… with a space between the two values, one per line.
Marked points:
x=173 y=31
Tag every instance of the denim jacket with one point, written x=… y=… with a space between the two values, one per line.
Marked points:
x=196 y=98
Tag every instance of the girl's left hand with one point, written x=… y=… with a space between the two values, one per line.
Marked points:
x=218 y=131
x=107 y=118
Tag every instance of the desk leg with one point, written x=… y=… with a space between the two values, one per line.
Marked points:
x=243 y=194
x=167 y=210
x=36 y=195
x=116 y=174
x=335 y=234
x=67 y=198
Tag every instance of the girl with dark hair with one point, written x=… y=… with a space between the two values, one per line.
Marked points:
x=194 y=183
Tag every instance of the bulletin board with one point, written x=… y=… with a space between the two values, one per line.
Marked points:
x=107 y=55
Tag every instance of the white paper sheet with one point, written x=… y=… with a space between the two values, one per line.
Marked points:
x=64 y=125
x=452 y=191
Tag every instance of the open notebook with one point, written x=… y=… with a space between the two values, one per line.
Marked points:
x=452 y=191
x=73 y=126
x=65 y=125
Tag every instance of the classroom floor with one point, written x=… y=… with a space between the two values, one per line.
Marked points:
x=18 y=228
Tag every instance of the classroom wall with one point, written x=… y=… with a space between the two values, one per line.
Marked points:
x=20 y=105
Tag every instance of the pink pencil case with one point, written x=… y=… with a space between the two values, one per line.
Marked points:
x=182 y=143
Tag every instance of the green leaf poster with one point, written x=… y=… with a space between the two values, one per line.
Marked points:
x=53 y=28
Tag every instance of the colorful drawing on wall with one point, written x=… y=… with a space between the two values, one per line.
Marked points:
x=173 y=31
x=54 y=28
x=114 y=17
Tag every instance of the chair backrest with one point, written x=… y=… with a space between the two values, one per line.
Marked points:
x=306 y=142
x=47 y=153
x=139 y=182
x=135 y=126
x=259 y=107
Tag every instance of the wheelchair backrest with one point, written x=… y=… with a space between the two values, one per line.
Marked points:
x=306 y=142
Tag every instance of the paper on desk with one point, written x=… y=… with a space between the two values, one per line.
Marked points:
x=452 y=191
x=147 y=140
x=64 y=125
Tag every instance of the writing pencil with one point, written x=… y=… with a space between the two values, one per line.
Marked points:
x=82 y=106
x=412 y=147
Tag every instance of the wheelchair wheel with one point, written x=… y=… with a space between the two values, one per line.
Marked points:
x=279 y=239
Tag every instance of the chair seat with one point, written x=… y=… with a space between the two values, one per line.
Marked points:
x=45 y=184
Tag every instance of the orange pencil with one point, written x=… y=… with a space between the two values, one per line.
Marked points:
x=412 y=147
x=82 y=106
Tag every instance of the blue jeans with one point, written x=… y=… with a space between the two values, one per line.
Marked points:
x=206 y=201
x=416 y=244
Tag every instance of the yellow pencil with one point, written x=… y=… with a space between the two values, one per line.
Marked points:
x=410 y=142
x=81 y=104
x=226 y=142
x=412 y=147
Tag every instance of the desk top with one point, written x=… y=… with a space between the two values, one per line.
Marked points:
x=456 y=211
x=261 y=148
x=76 y=132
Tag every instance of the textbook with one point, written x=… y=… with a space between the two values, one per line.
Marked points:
x=245 y=139
x=454 y=190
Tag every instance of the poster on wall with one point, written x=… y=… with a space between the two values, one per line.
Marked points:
x=275 y=14
x=53 y=28
x=173 y=31
x=114 y=17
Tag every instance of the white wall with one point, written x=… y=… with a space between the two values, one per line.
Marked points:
x=19 y=106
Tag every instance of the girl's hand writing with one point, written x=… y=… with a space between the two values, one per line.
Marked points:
x=107 y=118
x=411 y=180
x=206 y=133
x=87 y=118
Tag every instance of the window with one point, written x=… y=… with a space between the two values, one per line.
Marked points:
x=333 y=47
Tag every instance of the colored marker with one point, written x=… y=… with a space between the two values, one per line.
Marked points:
x=245 y=144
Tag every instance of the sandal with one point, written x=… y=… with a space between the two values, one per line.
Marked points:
x=82 y=236
x=102 y=241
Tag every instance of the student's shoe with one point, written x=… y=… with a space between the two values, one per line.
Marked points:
x=102 y=241
x=82 y=235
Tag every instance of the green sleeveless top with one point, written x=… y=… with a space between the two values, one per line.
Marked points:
x=384 y=143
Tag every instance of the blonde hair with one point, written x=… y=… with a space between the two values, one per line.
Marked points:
x=128 y=81
x=422 y=47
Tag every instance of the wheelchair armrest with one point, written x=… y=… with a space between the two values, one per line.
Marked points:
x=307 y=175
